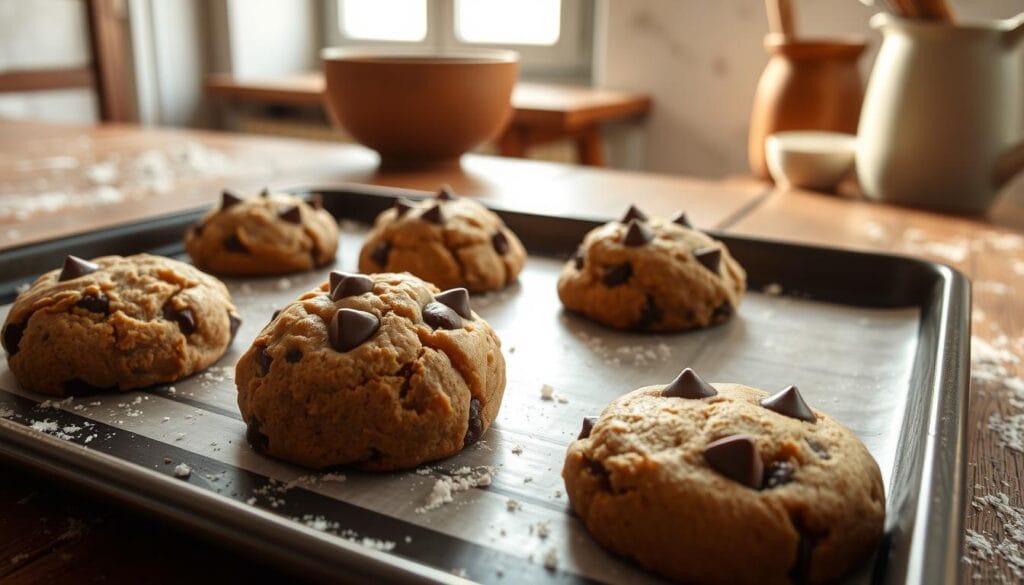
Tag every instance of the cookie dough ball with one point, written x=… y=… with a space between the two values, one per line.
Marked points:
x=725 y=483
x=652 y=275
x=379 y=372
x=269 y=234
x=448 y=241
x=117 y=323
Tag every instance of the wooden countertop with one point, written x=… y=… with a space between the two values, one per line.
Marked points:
x=112 y=174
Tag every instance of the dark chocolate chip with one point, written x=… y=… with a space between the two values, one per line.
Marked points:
x=617 y=274
x=294 y=355
x=577 y=259
x=475 y=429
x=682 y=219
x=316 y=201
x=633 y=213
x=434 y=214
x=650 y=315
x=183 y=317
x=402 y=207
x=588 y=425
x=500 y=242
x=789 y=403
x=258 y=440
x=709 y=257
x=346 y=284
x=234 y=322
x=349 y=328
x=439 y=316
x=457 y=299
x=736 y=457
x=75 y=267
x=263 y=361
x=228 y=199
x=777 y=473
x=265 y=192
x=445 y=193
x=637 y=234
x=292 y=215
x=688 y=385
x=380 y=254
x=723 y=311
x=275 y=314
x=233 y=244
x=98 y=303
x=12 y=337
x=819 y=449
x=79 y=387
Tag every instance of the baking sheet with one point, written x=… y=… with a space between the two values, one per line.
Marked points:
x=855 y=363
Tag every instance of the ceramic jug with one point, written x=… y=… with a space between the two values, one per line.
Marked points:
x=942 y=126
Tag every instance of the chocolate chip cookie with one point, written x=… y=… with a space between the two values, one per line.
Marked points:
x=447 y=240
x=270 y=234
x=723 y=483
x=652 y=274
x=117 y=323
x=376 y=371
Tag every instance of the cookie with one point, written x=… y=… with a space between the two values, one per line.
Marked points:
x=117 y=323
x=652 y=275
x=723 y=483
x=375 y=371
x=447 y=240
x=270 y=234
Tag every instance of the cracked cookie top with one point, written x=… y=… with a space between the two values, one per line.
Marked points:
x=446 y=240
x=378 y=371
x=270 y=234
x=117 y=323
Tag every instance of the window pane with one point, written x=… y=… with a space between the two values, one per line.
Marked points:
x=513 y=22
x=384 y=20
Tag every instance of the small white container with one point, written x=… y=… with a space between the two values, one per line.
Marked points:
x=808 y=159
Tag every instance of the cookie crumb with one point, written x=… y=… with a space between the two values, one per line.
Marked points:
x=182 y=471
x=517 y=450
x=547 y=392
x=551 y=560
x=513 y=505
x=284 y=284
x=772 y=289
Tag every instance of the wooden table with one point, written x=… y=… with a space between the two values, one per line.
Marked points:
x=48 y=532
x=543 y=112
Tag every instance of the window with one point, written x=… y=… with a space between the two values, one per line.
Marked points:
x=553 y=37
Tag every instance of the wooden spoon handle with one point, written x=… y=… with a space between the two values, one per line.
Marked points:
x=780 y=17
x=935 y=10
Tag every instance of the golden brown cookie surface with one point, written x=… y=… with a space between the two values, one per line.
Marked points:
x=448 y=241
x=269 y=234
x=382 y=373
x=652 y=275
x=117 y=323
x=720 y=489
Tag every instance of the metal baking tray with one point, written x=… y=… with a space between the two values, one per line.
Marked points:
x=878 y=341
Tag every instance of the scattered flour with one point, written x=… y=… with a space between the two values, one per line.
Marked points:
x=6 y=412
x=1008 y=546
x=332 y=527
x=446 y=486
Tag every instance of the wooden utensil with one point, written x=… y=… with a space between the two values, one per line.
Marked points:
x=780 y=18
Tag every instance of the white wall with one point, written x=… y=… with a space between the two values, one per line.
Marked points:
x=271 y=37
x=700 y=60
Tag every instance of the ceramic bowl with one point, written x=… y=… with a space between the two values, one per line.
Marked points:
x=420 y=109
x=810 y=159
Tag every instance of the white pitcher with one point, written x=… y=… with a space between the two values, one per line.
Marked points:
x=942 y=125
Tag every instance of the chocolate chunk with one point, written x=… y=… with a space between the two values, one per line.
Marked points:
x=12 y=337
x=682 y=220
x=457 y=299
x=294 y=354
x=349 y=328
x=688 y=385
x=380 y=254
x=637 y=234
x=233 y=244
x=819 y=449
x=402 y=207
x=736 y=457
x=439 y=316
x=234 y=322
x=633 y=213
x=345 y=284
x=98 y=303
x=650 y=314
x=228 y=199
x=723 y=311
x=275 y=314
x=183 y=317
x=709 y=257
x=434 y=215
x=577 y=259
x=265 y=192
x=777 y=473
x=316 y=201
x=617 y=274
x=263 y=361
x=292 y=215
x=75 y=267
x=445 y=193
x=588 y=425
x=258 y=440
x=79 y=387
x=500 y=242
x=475 y=429
x=789 y=403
